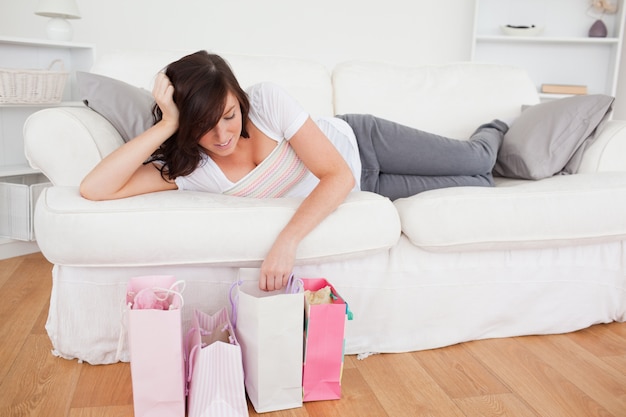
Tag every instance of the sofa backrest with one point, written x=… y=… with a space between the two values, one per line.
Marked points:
x=450 y=99
x=309 y=82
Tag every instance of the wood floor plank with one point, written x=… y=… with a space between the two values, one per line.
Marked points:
x=350 y=362
x=588 y=372
x=500 y=405
x=616 y=362
x=613 y=343
x=40 y=324
x=616 y=328
x=404 y=388
x=293 y=412
x=23 y=301
x=113 y=411
x=115 y=377
x=357 y=399
x=459 y=373
x=38 y=384
x=8 y=269
x=534 y=380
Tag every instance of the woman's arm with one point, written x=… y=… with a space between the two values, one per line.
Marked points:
x=123 y=173
x=336 y=181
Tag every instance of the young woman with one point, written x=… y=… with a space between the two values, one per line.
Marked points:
x=212 y=136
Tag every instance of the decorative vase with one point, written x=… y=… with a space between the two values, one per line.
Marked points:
x=598 y=29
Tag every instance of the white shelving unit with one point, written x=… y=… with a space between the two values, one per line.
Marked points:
x=32 y=54
x=562 y=53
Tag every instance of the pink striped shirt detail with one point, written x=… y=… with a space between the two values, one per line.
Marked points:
x=273 y=177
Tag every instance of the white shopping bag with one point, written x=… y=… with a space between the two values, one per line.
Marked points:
x=269 y=327
x=215 y=369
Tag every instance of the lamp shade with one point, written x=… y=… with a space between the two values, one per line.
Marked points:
x=64 y=9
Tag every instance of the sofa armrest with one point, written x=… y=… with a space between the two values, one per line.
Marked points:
x=65 y=143
x=608 y=151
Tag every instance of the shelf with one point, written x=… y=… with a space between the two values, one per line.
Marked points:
x=544 y=39
x=562 y=53
x=30 y=53
x=42 y=105
x=8 y=40
x=13 y=170
x=547 y=97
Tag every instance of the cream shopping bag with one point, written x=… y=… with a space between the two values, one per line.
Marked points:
x=269 y=327
x=215 y=369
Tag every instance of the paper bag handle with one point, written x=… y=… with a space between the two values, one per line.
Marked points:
x=190 y=362
x=192 y=354
x=294 y=285
x=233 y=304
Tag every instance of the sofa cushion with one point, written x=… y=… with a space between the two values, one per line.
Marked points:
x=183 y=227
x=126 y=107
x=561 y=210
x=550 y=138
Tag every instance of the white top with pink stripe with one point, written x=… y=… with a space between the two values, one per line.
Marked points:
x=282 y=173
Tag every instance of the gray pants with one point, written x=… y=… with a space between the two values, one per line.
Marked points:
x=399 y=161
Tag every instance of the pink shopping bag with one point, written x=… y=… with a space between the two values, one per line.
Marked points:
x=215 y=368
x=156 y=346
x=323 y=341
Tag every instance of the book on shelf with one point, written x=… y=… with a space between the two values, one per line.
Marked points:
x=563 y=89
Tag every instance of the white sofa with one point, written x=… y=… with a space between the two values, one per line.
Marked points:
x=442 y=267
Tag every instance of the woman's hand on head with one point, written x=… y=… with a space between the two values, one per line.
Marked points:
x=277 y=266
x=163 y=93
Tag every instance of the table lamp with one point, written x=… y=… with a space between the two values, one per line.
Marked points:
x=58 y=28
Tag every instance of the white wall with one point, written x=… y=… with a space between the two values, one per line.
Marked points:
x=408 y=32
x=325 y=30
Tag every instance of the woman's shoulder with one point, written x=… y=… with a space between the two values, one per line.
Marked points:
x=265 y=89
x=274 y=111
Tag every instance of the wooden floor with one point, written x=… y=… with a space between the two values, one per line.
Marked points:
x=578 y=374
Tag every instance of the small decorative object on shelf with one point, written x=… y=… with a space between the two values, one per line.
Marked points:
x=521 y=30
x=598 y=28
x=604 y=6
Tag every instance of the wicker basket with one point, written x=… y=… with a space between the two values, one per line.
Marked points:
x=20 y=86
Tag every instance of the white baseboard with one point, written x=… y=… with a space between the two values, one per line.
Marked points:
x=10 y=248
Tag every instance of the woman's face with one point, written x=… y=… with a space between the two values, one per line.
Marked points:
x=223 y=138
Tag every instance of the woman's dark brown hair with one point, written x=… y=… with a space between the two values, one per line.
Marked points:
x=201 y=83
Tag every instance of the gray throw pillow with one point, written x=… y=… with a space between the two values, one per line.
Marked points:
x=126 y=107
x=550 y=138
